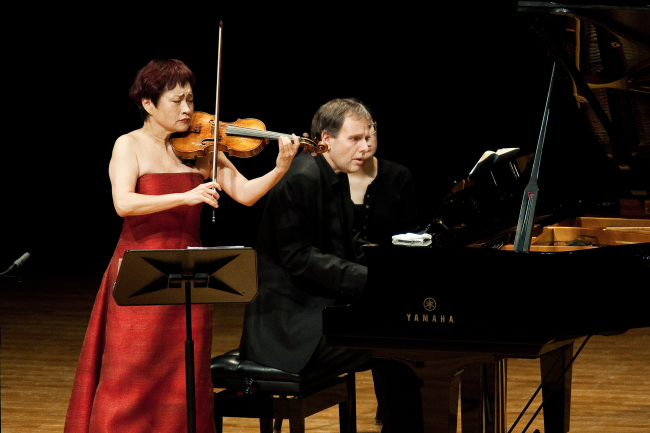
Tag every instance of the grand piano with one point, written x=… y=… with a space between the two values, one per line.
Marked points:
x=569 y=265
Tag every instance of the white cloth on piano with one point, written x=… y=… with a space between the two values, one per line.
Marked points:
x=412 y=239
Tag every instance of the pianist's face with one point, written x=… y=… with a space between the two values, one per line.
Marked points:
x=348 y=148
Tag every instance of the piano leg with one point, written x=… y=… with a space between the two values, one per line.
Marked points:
x=483 y=398
x=440 y=399
x=500 y=393
x=557 y=404
x=472 y=398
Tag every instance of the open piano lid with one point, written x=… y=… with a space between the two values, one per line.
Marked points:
x=606 y=50
x=603 y=56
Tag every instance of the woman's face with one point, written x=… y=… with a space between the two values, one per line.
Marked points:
x=372 y=143
x=174 y=109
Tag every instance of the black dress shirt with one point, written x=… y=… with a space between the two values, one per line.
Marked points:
x=306 y=262
x=389 y=205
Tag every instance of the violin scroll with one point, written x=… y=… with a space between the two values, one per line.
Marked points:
x=311 y=146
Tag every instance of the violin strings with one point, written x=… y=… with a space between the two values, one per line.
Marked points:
x=251 y=132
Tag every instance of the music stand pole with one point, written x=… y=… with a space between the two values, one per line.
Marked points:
x=189 y=361
x=190 y=385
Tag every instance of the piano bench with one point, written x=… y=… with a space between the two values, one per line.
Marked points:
x=256 y=391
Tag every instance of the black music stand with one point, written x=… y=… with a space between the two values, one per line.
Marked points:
x=188 y=276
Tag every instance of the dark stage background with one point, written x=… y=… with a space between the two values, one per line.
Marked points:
x=445 y=87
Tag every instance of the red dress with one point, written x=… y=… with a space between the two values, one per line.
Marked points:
x=131 y=372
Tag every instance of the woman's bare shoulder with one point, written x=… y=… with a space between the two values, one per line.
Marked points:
x=132 y=138
x=128 y=144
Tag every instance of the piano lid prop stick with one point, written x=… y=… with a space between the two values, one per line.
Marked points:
x=527 y=212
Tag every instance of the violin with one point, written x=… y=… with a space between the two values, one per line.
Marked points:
x=243 y=138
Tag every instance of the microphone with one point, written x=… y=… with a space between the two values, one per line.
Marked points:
x=18 y=263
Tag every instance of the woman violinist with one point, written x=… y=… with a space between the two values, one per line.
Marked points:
x=131 y=375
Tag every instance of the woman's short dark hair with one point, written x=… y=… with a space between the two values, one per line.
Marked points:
x=331 y=116
x=155 y=78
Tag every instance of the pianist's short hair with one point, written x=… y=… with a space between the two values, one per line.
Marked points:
x=155 y=78
x=331 y=115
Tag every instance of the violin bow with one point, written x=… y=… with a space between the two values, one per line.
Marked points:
x=216 y=116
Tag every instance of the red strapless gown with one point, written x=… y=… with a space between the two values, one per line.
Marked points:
x=131 y=372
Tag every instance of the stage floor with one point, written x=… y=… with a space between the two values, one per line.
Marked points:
x=43 y=322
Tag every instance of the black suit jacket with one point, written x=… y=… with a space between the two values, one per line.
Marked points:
x=306 y=262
